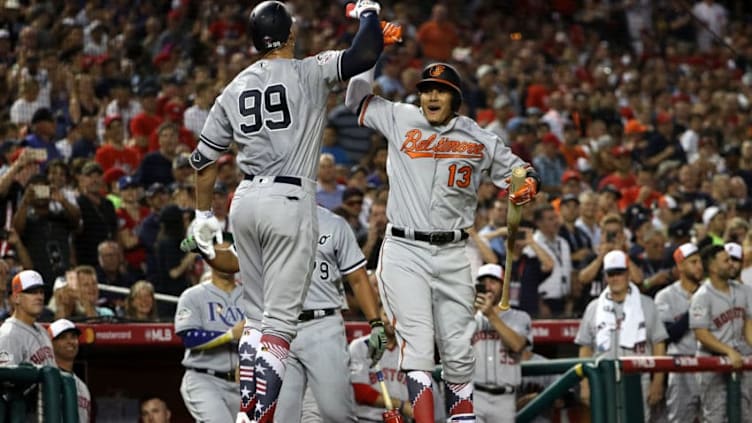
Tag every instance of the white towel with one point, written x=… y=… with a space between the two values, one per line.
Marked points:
x=632 y=328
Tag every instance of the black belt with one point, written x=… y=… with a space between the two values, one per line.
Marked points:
x=435 y=238
x=495 y=390
x=228 y=376
x=292 y=180
x=307 y=315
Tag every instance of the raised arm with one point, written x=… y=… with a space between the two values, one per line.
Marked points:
x=368 y=43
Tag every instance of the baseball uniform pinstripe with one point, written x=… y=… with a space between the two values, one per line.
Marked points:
x=206 y=307
x=654 y=330
x=682 y=394
x=497 y=367
x=723 y=315
x=318 y=355
x=428 y=288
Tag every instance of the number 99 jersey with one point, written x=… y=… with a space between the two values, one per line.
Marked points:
x=438 y=168
x=275 y=111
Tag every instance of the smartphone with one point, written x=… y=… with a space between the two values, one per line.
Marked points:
x=480 y=288
x=520 y=235
x=42 y=191
x=610 y=236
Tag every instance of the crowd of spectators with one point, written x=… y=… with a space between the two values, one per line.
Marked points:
x=636 y=114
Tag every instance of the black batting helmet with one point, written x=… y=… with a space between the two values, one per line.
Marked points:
x=269 y=25
x=443 y=74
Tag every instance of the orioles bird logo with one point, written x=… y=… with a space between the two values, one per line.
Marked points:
x=437 y=70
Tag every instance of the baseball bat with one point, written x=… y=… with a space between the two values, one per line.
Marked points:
x=390 y=415
x=514 y=213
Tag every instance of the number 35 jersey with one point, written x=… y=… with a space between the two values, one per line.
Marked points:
x=434 y=171
x=337 y=255
x=275 y=111
x=495 y=364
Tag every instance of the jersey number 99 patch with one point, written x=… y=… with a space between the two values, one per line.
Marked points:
x=274 y=103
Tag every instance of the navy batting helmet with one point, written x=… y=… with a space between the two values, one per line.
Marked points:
x=443 y=74
x=269 y=25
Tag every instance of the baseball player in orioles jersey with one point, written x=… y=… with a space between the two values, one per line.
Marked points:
x=436 y=160
x=274 y=110
x=720 y=314
x=498 y=343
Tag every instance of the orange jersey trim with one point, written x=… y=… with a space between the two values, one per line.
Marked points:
x=362 y=116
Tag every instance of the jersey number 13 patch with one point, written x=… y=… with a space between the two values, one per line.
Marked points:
x=274 y=103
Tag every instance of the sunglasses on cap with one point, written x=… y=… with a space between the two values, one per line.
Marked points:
x=615 y=272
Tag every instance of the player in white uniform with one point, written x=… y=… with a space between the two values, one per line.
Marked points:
x=368 y=394
x=274 y=110
x=672 y=302
x=65 y=335
x=435 y=165
x=205 y=313
x=499 y=341
x=720 y=314
x=318 y=354
x=622 y=322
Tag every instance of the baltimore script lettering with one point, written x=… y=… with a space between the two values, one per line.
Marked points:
x=445 y=148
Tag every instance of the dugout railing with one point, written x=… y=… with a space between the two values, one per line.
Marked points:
x=59 y=399
x=615 y=388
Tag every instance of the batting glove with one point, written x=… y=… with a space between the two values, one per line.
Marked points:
x=392 y=33
x=377 y=341
x=355 y=10
x=525 y=193
x=206 y=230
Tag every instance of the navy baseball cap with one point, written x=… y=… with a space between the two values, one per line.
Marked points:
x=126 y=182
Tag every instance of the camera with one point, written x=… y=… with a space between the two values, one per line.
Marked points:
x=610 y=236
x=480 y=288
x=520 y=235
x=41 y=191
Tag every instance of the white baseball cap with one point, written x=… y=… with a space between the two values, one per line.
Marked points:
x=60 y=326
x=615 y=260
x=734 y=250
x=709 y=214
x=683 y=251
x=26 y=279
x=492 y=270
x=60 y=282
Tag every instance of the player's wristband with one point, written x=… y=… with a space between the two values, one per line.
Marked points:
x=646 y=283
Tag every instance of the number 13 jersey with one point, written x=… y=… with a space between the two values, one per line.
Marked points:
x=434 y=171
x=275 y=111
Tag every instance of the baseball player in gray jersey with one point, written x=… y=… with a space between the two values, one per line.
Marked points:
x=205 y=313
x=22 y=339
x=65 y=335
x=274 y=111
x=622 y=322
x=318 y=354
x=498 y=342
x=436 y=160
x=672 y=302
x=720 y=314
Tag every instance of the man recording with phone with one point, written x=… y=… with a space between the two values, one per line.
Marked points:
x=590 y=278
x=45 y=234
x=498 y=342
